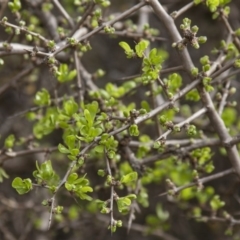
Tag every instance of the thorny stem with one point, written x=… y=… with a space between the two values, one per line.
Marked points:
x=51 y=211
x=224 y=98
x=79 y=80
x=112 y=190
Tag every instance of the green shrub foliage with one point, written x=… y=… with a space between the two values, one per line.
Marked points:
x=157 y=136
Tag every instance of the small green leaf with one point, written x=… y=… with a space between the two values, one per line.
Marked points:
x=141 y=47
x=123 y=203
x=129 y=177
x=86 y=189
x=70 y=141
x=88 y=117
x=47 y=170
x=3 y=174
x=62 y=149
x=125 y=46
x=101 y=172
x=131 y=196
x=22 y=186
x=72 y=177
x=133 y=130
x=66 y=75
x=9 y=141
x=99 y=149
x=128 y=51
x=70 y=107
x=42 y=98
x=216 y=203
x=71 y=157
x=74 y=151
x=15 y=6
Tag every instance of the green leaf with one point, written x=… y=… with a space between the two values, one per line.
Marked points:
x=88 y=117
x=155 y=57
x=162 y=215
x=175 y=82
x=81 y=181
x=131 y=196
x=216 y=203
x=72 y=178
x=47 y=170
x=69 y=186
x=133 y=130
x=129 y=177
x=86 y=189
x=84 y=196
x=22 y=186
x=99 y=149
x=101 y=172
x=145 y=105
x=93 y=109
x=66 y=75
x=42 y=98
x=70 y=107
x=71 y=157
x=62 y=149
x=15 y=6
x=45 y=173
x=128 y=51
x=125 y=46
x=153 y=221
x=74 y=151
x=123 y=203
x=212 y=4
x=70 y=141
x=9 y=141
x=193 y=95
x=3 y=174
x=141 y=47
x=229 y=116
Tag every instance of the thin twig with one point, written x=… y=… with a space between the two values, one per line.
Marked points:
x=25 y=153
x=79 y=80
x=51 y=211
x=224 y=98
x=181 y=124
x=201 y=180
x=111 y=189
x=176 y=14
x=63 y=12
